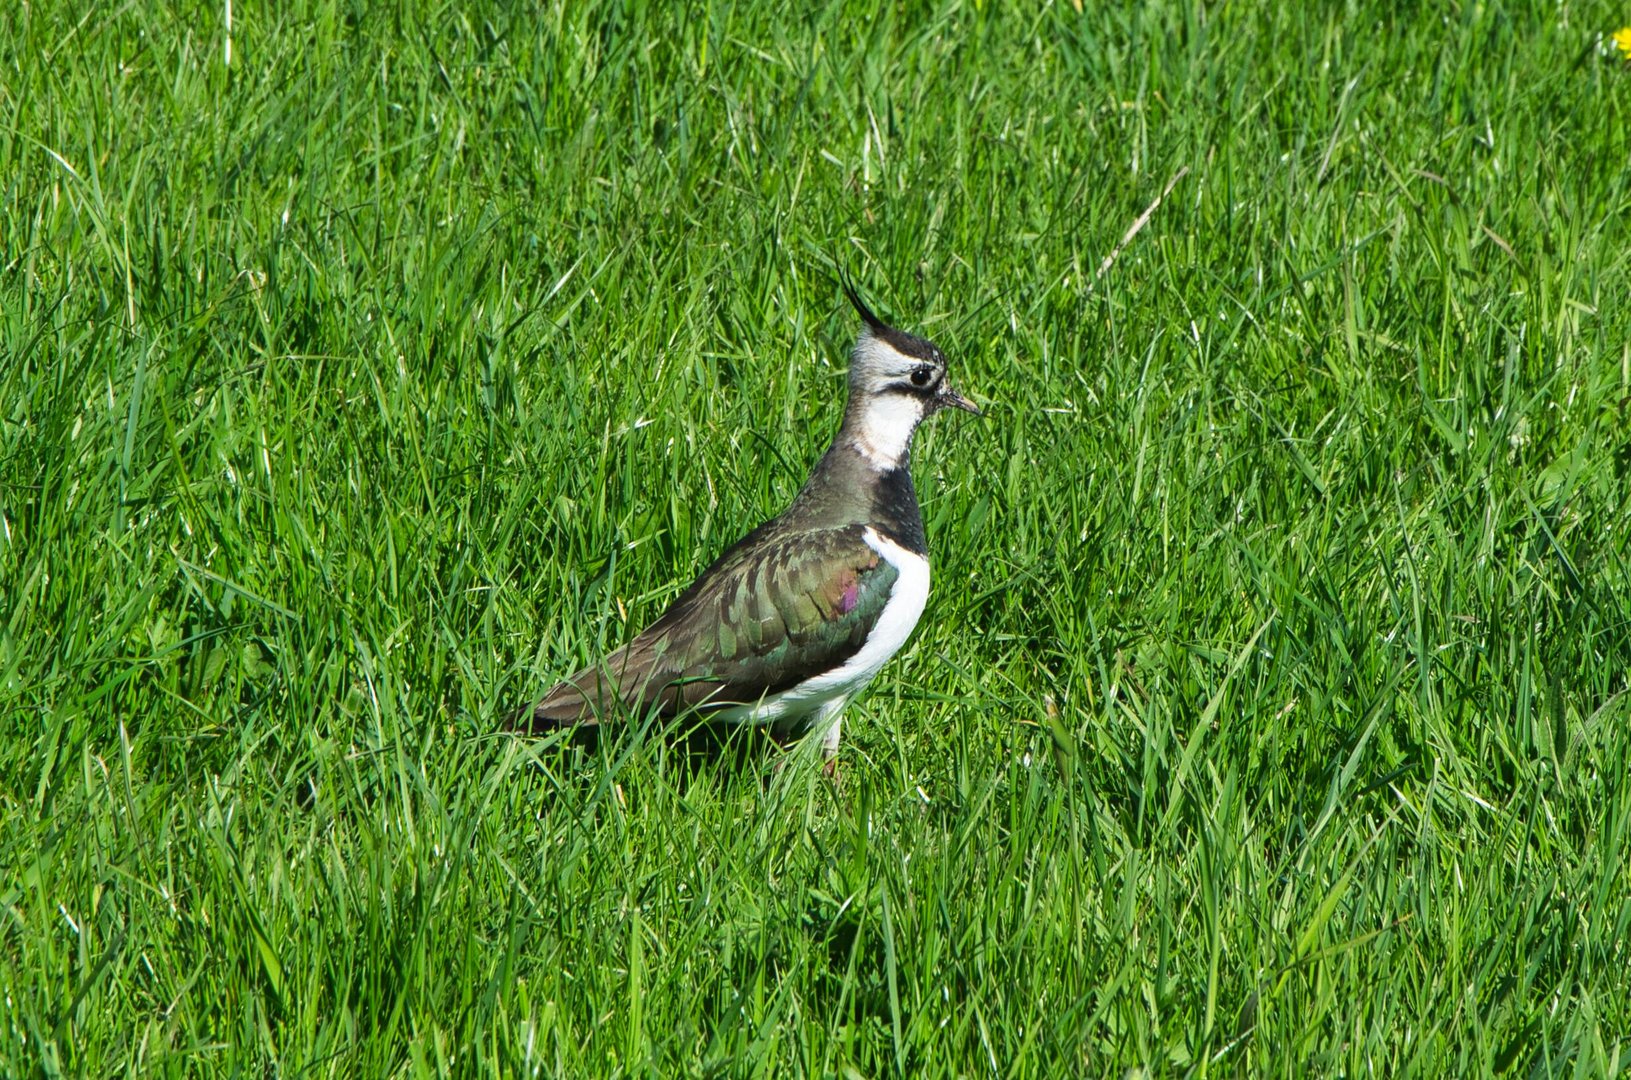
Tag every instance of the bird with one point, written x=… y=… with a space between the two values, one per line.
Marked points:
x=794 y=619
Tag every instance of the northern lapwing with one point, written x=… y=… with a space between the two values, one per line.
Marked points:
x=794 y=619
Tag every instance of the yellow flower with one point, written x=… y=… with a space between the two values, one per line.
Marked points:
x=1622 y=41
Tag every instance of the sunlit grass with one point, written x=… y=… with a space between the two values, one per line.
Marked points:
x=1269 y=714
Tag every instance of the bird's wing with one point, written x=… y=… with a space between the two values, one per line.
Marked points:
x=770 y=613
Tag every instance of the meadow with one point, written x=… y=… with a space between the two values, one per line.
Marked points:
x=364 y=368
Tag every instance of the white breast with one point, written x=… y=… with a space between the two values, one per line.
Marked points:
x=895 y=624
x=899 y=616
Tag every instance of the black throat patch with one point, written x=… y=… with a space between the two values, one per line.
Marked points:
x=895 y=513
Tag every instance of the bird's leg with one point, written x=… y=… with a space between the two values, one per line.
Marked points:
x=831 y=716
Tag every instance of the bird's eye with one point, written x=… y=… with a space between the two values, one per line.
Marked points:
x=920 y=376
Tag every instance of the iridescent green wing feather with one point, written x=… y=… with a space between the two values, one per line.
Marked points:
x=770 y=613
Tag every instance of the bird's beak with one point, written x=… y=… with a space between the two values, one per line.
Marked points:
x=949 y=398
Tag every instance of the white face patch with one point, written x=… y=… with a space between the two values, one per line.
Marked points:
x=882 y=416
x=883 y=426
x=875 y=364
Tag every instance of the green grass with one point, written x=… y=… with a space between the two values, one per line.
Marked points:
x=1270 y=715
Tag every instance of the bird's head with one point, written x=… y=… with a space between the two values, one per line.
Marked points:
x=895 y=380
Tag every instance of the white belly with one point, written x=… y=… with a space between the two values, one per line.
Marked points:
x=831 y=689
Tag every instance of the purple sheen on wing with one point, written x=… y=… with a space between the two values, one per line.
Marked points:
x=850 y=597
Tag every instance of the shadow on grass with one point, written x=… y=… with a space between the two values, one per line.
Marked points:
x=685 y=748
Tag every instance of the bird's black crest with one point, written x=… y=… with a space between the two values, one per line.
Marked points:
x=861 y=309
x=899 y=340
